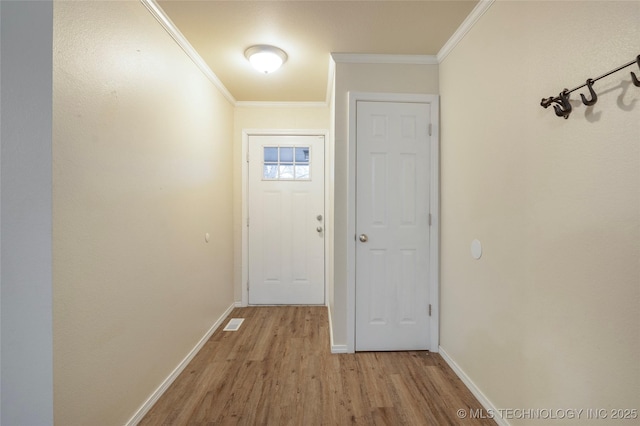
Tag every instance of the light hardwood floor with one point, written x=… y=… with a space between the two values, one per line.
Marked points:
x=278 y=370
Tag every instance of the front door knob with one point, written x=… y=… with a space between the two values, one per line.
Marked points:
x=363 y=238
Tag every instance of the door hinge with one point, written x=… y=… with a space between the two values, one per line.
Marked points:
x=247 y=222
x=247 y=156
x=429 y=219
x=429 y=309
x=247 y=285
x=430 y=129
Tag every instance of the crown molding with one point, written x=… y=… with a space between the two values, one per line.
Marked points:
x=463 y=29
x=179 y=38
x=268 y=104
x=330 y=81
x=366 y=58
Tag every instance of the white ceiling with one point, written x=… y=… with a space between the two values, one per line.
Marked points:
x=309 y=31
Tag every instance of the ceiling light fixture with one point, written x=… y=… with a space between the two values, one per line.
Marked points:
x=264 y=58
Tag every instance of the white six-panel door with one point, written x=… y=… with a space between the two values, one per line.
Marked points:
x=286 y=220
x=392 y=225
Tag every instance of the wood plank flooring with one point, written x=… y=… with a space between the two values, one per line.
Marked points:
x=278 y=370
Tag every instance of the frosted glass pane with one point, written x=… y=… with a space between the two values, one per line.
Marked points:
x=286 y=155
x=286 y=172
x=270 y=154
x=302 y=172
x=302 y=154
x=270 y=171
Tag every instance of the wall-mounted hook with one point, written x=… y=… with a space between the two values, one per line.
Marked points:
x=635 y=80
x=546 y=102
x=561 y=103
x=594 y=96
x=563 y=109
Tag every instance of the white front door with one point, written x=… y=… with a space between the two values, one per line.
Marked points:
x=286 y=220
x=392 y=225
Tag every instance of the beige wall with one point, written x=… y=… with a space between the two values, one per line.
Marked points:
x=142 y=152
x=548 y=317
x=384 y=78
x=263 y=117
x=330 y=207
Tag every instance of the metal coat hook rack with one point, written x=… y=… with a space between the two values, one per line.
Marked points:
x=562 y=105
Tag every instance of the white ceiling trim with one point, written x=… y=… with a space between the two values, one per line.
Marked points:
x=463 y=29
x=267 y=104
x=366 y=58
x=330 y=81
x=179 y=38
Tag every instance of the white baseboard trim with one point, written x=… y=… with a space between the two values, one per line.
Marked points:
x=237 y=304
x=338 y=349
x=335 y=349
x=481 y=397
x=144 y=408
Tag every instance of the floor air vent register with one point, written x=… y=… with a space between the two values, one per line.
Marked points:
x=234 y=324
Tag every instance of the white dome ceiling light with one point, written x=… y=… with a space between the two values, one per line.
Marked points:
x=265 y=58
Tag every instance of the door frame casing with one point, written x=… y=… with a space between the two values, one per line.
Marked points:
x=434 y=210
x=246 y=134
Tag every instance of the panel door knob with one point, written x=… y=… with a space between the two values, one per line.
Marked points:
x=363 y=238
x=319 y=229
